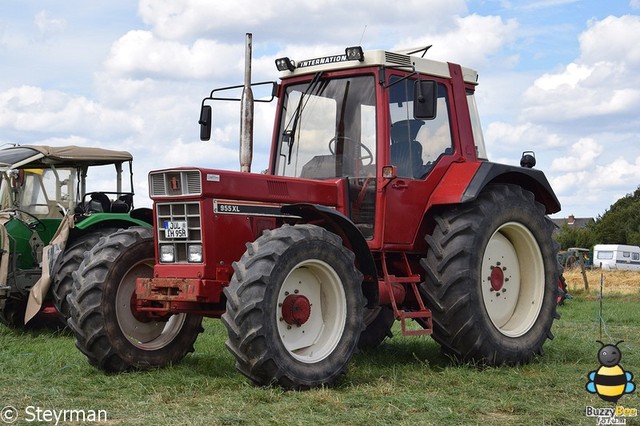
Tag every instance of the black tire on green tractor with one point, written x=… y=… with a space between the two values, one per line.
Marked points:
x=294 y=308
x=492 y=277
x=12 y=314
x=62 y=276
x=108 y=331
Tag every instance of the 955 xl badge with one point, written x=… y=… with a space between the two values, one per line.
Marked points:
x=247 y=208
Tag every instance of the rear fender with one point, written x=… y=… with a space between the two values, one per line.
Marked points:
x=116 y=220
x=342 y=226
x=463 y=182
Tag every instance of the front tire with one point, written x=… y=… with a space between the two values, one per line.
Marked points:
x=492 y=277
x=108 y=331
x=294 y=308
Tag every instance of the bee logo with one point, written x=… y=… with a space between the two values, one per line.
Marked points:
x=610 y=381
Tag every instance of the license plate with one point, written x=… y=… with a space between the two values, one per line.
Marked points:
x=175 y=229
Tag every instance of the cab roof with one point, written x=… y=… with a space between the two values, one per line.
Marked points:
x=379 y=58
x=34 y=156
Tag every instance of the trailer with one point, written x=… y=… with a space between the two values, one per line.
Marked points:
x=616 y=257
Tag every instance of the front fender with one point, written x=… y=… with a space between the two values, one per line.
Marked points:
x=341 y=225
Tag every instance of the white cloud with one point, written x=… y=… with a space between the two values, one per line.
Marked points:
x=524 y=135
x=582 y=156
x=602 y=82
x=634 y=4
x=283 y=21
x=140 y=53
x=472 y=40
x=32 y=109
x=47 y=24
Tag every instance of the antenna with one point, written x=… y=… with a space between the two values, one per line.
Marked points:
x=362 y=36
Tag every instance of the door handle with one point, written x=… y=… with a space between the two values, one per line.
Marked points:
x=399 y=184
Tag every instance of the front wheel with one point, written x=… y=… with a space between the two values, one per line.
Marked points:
x=294 y=308
x=492 y=277
x=108 y=330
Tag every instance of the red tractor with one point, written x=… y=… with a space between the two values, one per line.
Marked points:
x=379 y=204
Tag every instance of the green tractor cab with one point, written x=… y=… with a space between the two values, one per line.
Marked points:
x=50 y=214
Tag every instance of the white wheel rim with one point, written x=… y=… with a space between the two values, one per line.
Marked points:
x=148 y=335
x=514 y=297
x=318 y=336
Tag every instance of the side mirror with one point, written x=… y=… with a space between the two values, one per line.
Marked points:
x=205 y=122
x=425 y=98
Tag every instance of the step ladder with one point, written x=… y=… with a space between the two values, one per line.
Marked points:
x=411 y=280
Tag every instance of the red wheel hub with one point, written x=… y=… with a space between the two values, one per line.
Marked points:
x=296 y=309
x=497 y=278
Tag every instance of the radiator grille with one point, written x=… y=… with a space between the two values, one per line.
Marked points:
x=174 y=183
x=179 y=212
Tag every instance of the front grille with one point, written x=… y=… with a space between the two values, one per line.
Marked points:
x=174 y=183
x=179 y=212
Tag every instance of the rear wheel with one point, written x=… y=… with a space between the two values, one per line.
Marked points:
x=492 y=277
x=294 y=308
x=108 y=330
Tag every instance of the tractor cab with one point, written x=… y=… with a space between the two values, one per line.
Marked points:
x=375 y=121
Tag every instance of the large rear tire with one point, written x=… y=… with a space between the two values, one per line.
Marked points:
x=69 y=262
x=108 y=331
x=294 y=308
x=492 y=277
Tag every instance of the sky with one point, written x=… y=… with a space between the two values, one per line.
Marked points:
x=558 y=77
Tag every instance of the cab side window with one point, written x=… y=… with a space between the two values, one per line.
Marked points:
x=415 y=144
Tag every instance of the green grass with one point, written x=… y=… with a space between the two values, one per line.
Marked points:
x=404 y=381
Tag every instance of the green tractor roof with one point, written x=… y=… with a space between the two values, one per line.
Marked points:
x=30 y=156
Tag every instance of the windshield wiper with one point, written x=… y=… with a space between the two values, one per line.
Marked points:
x=288 y=136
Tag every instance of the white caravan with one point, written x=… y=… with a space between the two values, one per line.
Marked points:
x=616 y=256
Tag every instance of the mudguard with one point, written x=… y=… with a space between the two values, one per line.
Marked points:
x=453 y=188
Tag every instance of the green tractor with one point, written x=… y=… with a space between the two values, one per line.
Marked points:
x=48 y=220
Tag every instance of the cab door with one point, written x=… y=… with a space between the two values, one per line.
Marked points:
x=421 y=150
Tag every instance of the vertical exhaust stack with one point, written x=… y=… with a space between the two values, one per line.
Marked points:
x=246 y=112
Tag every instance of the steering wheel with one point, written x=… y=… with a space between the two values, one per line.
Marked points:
x=367 y=156
x=37 y=225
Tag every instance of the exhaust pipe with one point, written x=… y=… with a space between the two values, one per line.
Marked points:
x=246 y=111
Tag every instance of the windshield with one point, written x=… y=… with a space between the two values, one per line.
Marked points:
x=328 y=129
x=41 y=192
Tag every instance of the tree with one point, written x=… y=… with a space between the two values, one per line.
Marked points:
x=620 y=224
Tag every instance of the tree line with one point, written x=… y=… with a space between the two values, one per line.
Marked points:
x=620 y=224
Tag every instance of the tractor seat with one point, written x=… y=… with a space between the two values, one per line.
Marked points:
x=405 y=151
x=99 y=203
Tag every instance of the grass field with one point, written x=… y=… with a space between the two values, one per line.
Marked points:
x=405 y=381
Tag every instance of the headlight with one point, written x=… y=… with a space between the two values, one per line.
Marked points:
x=167 y=255
x=195 y=253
